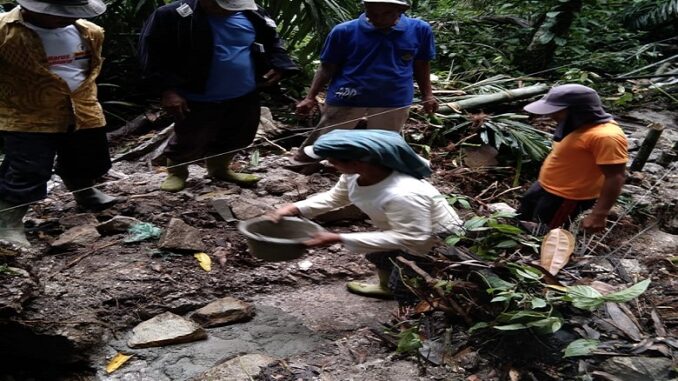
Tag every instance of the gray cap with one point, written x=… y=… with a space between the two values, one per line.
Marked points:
x=237 y=5
x=78 y=9
x=562 y=97
x=404 y=3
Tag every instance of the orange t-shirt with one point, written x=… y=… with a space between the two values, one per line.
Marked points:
x=571 y=169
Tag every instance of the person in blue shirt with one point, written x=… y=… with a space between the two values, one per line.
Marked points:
x=369 y=64
x=207 y=58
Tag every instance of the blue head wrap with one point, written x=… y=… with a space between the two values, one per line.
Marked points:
x=381 y=147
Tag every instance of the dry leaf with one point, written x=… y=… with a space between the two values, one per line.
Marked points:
x=204 y=260
x=116 y=362
x=556 y=249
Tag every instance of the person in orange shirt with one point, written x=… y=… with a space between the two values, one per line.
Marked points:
x=586 y=167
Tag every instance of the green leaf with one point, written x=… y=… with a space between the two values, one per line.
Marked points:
x=475 y=223
x=452 y=240
x=538 y=303
x=478 y=326
x=508 y=244
x=510 y=327
x=464 y=204
x=409 y=341
x=494 y=282
x=505 y=228
x=585 y=297
x=546 y=326
x=628 y=294
x=254 y=160
x=581 y=347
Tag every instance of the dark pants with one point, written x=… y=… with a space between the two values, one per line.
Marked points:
x=384 y=261
x=29 y=160
x=215 y=127
x=543 y=207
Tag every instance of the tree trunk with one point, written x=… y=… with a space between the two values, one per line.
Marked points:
x=480 y=101
x=550 y=34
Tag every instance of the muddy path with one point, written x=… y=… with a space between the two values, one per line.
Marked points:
x=72 y=307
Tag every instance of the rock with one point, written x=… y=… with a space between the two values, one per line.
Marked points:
x=221 y=206
x=245 y=208
x=653 y=168
x=165 y=329
x=16 y=287
x=638 y=368
x=633 y=144
x=501 y=207
x=632 y=266
x=181 y=236
x=347 y=213
x=76 y=236
x=223 y=311
x=117 y=224
x=239 y=368
x=282 y=181
x=73 y=220
x=485 y=156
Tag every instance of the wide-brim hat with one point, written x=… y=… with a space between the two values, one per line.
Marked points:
x=237 y=5
x=79 y=9
x=562 y=97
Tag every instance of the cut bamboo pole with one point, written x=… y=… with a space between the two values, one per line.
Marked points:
x=490 y=99
x=654 y=132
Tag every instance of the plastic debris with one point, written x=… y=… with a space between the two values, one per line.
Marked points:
x=143 y=231
x=204 y=260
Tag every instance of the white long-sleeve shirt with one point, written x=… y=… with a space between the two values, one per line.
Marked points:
x=409 y=212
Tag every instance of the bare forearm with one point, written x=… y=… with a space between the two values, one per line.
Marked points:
x=422 y=74
x=322 y=77
x=608 y=195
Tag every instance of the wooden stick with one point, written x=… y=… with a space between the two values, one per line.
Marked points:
x=432 y=283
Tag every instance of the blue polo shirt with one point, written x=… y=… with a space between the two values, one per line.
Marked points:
x=232 y=70
x=375 y=68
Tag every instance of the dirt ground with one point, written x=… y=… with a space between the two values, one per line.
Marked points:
x=74 y=308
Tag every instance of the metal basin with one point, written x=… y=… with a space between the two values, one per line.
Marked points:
x=276 y=242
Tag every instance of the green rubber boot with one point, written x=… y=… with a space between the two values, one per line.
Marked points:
x=11 y=223
x=218 y=168
x=379 y=290
x=176 y=177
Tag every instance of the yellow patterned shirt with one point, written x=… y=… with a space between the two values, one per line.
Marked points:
x=33 y=98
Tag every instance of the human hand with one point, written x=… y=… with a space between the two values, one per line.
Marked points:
x=323 y=239
x=272 y=77
x=174 y=104
x=594 y=222
x=430 y=104
x=285 y=210
x=306 y=106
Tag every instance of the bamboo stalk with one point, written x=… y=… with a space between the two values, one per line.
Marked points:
x=490 y=99
x=654 y=132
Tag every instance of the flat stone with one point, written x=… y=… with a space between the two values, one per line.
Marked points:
x=653 y=168
x=347 y=213
x=165 y=329
x=282 y=181
x=222 y=207
x=239 y=368
x=484 y=156
x=501 y=207
x=223 y=311
x=181 y=236
x=16 y=287
x=76 y=236
x=638 y=368
x=245 y=208
x=116 y=225
x=73 y=220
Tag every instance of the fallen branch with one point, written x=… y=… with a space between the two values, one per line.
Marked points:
x=432 y=282
x=491 y=99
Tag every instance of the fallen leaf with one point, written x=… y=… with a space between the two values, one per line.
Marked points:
x=204 y=260
x=622 y=321
x=116 y=362
x=556 y=249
